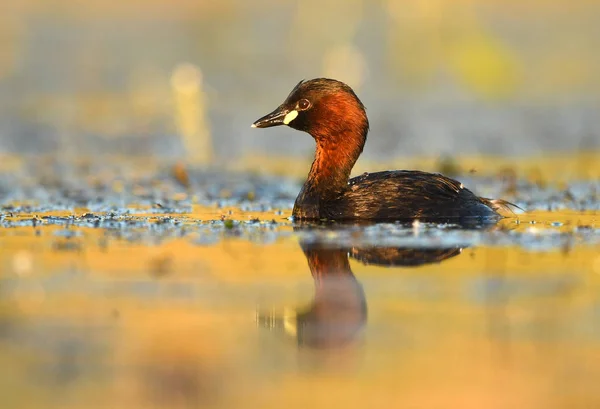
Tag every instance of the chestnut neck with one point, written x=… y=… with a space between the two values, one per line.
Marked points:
x=336 y=153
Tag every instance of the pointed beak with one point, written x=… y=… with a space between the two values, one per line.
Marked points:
x=275 y=118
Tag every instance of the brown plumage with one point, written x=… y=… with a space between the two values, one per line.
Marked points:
x=336 y=118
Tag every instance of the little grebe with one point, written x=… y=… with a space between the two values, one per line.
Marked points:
x=332 y=114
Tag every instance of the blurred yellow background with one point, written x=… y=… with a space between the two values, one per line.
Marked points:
x=132 y=277
x=469 y=77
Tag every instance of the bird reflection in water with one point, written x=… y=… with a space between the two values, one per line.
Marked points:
x=338 y=313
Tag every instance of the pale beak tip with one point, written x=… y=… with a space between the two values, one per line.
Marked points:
x=253 y=126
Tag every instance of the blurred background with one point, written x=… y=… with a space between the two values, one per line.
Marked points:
x=140 y=268
x=168 y=79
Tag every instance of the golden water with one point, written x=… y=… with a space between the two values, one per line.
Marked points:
x=98 y=321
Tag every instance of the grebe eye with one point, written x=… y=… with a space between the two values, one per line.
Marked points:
x=303 y=104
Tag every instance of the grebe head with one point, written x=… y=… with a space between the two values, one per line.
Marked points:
x=324 y=108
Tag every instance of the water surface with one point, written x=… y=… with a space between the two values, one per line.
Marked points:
x=139 y=293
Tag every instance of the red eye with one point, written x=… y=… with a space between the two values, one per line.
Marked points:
x=303 y=104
